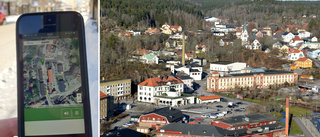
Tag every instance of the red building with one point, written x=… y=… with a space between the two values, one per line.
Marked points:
x=160 y=117
x=246 y=121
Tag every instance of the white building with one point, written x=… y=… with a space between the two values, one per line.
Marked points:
x=208 y=99
x=167 y=90
x=193 y=70
x=188 y=83
x=212 y=19
x=287 y=36
x=150 y=59
x=313 y=39
x=295 y=41
x=254 y=45
x=223 y=66
x=304 y=34
x=295 y=54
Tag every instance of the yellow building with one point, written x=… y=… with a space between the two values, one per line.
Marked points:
x=119 y=89
x=304 y=62
x=294 y=67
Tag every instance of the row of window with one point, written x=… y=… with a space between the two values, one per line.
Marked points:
x=255 y=125
x=144 y=118
x=109 y=86
x=160 y=88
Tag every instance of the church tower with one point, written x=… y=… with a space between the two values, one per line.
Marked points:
x=244 y=34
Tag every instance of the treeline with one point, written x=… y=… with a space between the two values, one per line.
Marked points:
x=140 y=14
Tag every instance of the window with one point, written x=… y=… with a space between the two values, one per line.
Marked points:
x=148 y=118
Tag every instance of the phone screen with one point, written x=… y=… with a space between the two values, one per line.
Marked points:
x=51 y=82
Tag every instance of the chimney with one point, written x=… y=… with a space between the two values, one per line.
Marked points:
x=183 y=49
x=287 y=117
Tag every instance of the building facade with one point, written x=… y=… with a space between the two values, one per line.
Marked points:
x=164 y=90
x=303 y=63
x=119 y=89
x=219 y=83
x=223 y=66
x=106 y=106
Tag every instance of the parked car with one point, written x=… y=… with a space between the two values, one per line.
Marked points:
x=3 y=20
x=238 y=103
x=242 y=109
x=221 y=115
x=219 y=106
x=226 y=112
x=205 y=116
x=237 y=110
x=213 y=116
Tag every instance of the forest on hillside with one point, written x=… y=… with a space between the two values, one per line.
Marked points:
x=141 y=14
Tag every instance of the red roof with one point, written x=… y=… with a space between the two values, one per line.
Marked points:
x=302 y=59
x=297 y=38
x=299 y=45
x=293 y=65
x=165 y=23
x=210 y=97
x=239 y=31
x=102 y=95
x=189 y=55
x=174 y=27
x=157 y=81
x=295 y=51
x=306 y=76
x=279 y=31
x=50 y=75
x=215 y=72
x=305 y=26
x=201 y=45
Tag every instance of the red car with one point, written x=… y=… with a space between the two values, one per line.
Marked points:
x=2 y=18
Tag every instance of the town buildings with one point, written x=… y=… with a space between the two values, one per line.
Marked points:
x=220 y=83
x=295 y=54
x=106 y=106
x=164 y=90
x=303 y=63
x=208 y=99
x=193 y=70
x=119 y=89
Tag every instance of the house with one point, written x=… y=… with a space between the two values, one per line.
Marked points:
x=303 y=63
x=150 y=59
x=167 y=29
x=304 y=34
x=140 y=51
x=295 y=54
x=171 y=44
x=208 y=99
x=178 y=36
x=313 y=53
x=259 y=34
x=312 y=45
x=164 y=90
x=313 y=39
x=254 y=44
x=124 y=34
x=224 y=66
x=201 y=48
x=267 y=30
x=226 y=42
x=294 y=66
x=212 y=19
x=203 y=130
x=295 y=41
x=238 y=33
x=187 y=82
x=119 y=89
x=245 y=121
x=287 y=36
x=200 y=61
x=278 y=32
x=106 y=106
x=152 y=31
x=291 y=28
x=306 y=77
x=190 y=56
x=276 y=45
x=160 y=117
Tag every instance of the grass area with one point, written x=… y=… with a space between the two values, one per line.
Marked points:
x=295 y=129
x=276 y=114
x=298 y=111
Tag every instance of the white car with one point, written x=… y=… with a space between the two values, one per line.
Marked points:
x=205 y=116
x=220 y=114
x=213 y=116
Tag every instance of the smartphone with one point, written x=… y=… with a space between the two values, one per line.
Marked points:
x=53 y=95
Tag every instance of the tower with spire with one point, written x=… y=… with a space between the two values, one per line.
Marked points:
x=244 y=34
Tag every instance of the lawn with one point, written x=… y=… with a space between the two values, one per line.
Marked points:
x=295 y=129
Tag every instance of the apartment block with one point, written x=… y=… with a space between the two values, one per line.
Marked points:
x=119 y=89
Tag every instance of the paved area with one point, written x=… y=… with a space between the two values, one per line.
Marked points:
x=302 y=126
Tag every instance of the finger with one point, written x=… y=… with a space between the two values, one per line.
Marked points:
x=9 y=127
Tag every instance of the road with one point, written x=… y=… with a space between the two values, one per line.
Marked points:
x=303 y=128
x=7 y=46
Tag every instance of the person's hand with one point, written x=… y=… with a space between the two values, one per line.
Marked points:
x=8 y=127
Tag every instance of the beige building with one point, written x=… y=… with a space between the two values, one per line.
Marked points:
x=119 y=89
x=106 y=106
x=219 y=83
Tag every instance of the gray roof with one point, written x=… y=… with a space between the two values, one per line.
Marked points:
x=240 y=120
x=267 y=72
x=194 y=70
x=123 y=133
x=222 y=62
x=173 y=115
x=184 y=77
